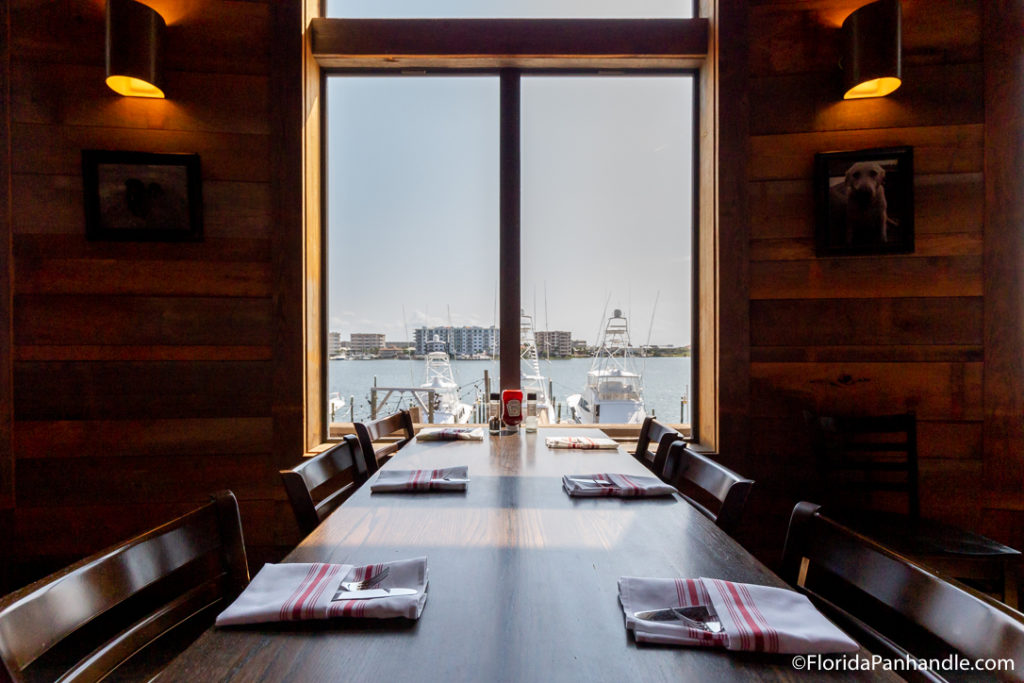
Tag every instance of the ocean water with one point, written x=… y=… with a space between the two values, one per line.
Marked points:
x=665 y=380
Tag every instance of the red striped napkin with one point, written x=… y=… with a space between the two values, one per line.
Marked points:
x=581 y=442
x=294 y=591
x=445 y=479
x=619 y=485
x=757 y=618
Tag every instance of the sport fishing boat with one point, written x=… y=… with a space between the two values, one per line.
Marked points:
x=530 y=378
x=614 y=389
x=448 y=406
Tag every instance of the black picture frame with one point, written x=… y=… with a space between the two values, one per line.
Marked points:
x=864 y=202
x=142 y=196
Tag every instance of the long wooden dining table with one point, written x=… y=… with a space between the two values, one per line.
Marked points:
x=523 y=581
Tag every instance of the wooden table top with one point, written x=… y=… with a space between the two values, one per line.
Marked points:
x=522 y=581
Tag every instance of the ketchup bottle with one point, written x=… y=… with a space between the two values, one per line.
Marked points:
x=512 y=407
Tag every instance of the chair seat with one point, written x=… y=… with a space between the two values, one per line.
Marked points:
x=921 y=537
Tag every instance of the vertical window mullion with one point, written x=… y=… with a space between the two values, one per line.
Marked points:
x=509 y=244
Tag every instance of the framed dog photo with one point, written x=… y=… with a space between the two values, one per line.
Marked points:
x=141 y=196
x=864 y=202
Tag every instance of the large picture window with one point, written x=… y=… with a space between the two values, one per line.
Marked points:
x=417 y=199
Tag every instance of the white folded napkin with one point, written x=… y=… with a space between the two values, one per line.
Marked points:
x=758 y=618
x=581 y=442
x=292 y=591
x=445 y=479
x=451 y=434
x=611 y=484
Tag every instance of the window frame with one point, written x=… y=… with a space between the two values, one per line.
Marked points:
x=510 y=228
x=721 y=374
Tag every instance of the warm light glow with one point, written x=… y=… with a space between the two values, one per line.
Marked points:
x=878 y=87
x=133 y=87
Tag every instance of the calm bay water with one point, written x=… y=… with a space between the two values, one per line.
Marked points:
x=665 y=381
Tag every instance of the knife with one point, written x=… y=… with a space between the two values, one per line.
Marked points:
x=696 y=616
x=371 y=593
x=584 y=481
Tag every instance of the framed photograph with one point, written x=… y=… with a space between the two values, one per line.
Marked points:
x=864 y=202
x=141 y=196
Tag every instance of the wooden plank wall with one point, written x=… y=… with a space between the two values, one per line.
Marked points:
x=142 y=372
x=867 y=334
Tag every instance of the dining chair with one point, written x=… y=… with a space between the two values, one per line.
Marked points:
x=893 y=605
x=332 y=476
x=126 y=611
x=378 y=429
x=654 y=432
x=707 y=484
x=868 y=470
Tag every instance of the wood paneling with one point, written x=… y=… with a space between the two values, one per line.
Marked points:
x=937 y=149
x=44 y=149
x=74 y=320
x=142 y=371
x=934 y=95
x=833 y=278
x=1004 y=248
x=139 y=390
x=866 y=322
x=52 y=204
x=6 y=284
x=938 y=331
x=944 y=203
x=46 y=439
x=76 y=95
x=161 y=278
x=66 y=532
x=867 y=334
x=799 y=36
x=935 y=391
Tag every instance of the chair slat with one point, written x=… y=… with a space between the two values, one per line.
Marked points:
x=924 y=612
x=657 y=433
x=371 y=432
x=110 y=603
x=343 y=460
x=688 y=470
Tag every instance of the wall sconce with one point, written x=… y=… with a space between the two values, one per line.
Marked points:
x=872 y=47
x=135 y=41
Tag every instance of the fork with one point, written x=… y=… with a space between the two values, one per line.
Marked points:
x=366 y=583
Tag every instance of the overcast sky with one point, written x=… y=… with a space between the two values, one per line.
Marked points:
x=412 y=198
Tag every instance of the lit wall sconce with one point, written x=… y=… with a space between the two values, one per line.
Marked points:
x=872 y=47
x=135 y=42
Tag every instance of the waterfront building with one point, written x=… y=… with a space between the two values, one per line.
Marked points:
x=334 y=348
x=364 y=342
x=557 y=343
x=459 y=341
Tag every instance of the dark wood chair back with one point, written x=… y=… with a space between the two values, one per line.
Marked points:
x=868 y=471
x=707 y=485
x=340 y=469
x=662 y=436
x=370 y=432
x=894 y=606
x=860 y=456
x=127 y=610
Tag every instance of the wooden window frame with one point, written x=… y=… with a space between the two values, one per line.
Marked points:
x=722 y=339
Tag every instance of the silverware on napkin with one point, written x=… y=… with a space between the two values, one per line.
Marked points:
x=697 y=616
x=583 y=481
x=372 y=593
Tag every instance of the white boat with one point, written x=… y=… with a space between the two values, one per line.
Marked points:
x=448 y=407
x=614 y=390
x=530 y=378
